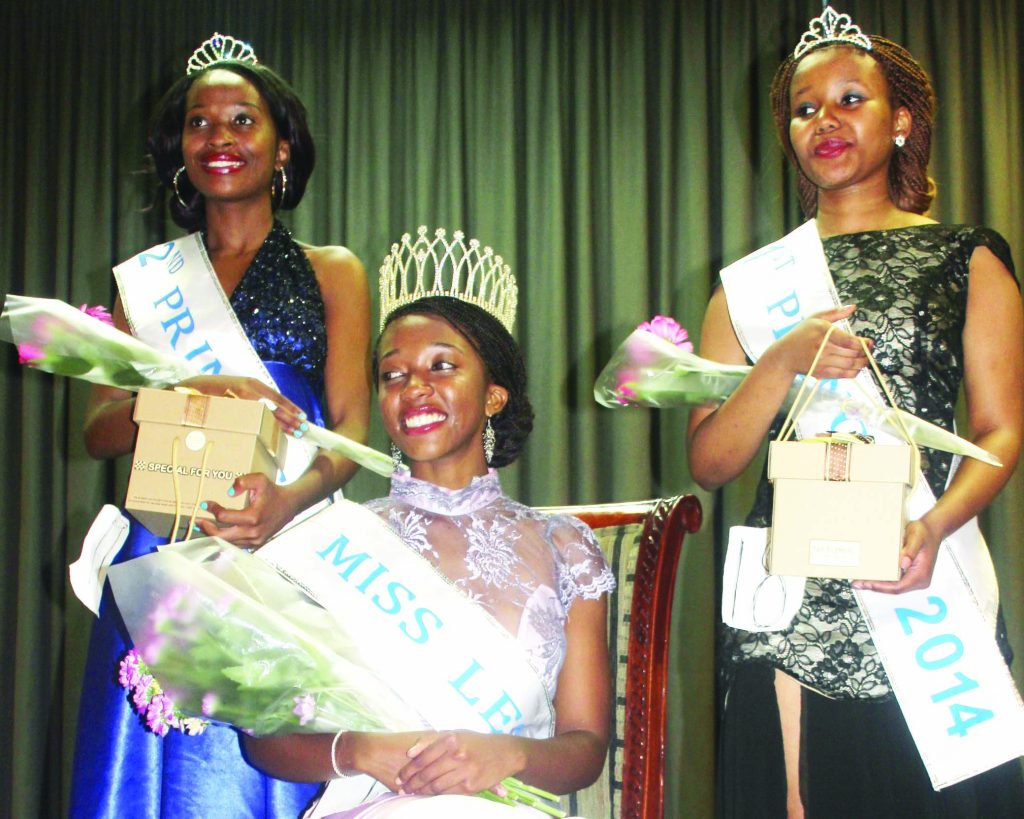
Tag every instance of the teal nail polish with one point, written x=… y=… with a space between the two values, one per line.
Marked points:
x=297 y=433
x=303 y=426
x=195 y=528
x=231 y=491
x=302 y=415
x=204 y=506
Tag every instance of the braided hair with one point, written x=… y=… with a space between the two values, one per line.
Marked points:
x=910 y=187
x=503 y=363
x=286 y=110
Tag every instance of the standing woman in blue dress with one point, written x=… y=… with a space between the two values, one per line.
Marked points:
x=231 y=144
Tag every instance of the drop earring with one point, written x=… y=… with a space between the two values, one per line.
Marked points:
x=396 y=456
x=489 y=440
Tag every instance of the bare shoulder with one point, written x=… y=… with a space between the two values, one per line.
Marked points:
x=331 y=261
x=984 y=264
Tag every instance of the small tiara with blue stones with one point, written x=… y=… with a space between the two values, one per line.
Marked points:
x=217 y=49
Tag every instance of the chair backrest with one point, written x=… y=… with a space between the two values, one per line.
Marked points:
x=642 y=542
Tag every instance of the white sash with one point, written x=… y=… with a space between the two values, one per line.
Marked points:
x=937 y=645
x=173 y=301
x=440 y=652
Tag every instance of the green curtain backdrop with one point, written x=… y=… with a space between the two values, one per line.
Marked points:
x=616 y=153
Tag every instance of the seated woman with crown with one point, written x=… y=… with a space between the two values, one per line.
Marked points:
x=452 y=394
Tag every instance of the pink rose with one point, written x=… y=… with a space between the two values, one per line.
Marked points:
x=98 y=312
x=29 y=354
x=669 y=329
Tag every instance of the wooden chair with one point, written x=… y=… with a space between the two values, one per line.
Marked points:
x=642 y=542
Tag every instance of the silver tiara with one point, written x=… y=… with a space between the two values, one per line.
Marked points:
x=831 y=27
x=217 y=49
x=424 y=266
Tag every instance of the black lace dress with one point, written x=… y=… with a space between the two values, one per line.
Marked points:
x=910 y=288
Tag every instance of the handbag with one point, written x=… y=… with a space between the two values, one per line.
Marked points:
x=839 y=507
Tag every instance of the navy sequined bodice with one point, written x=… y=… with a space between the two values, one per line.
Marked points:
x=279 y=305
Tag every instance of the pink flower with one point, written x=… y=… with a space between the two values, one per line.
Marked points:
x=29 y=354
x=305 y=708
x=209 y=703
x=669 y=329
x=98 y=312
x=142 y=695
x=160 y=715
x=625 y=390
x=128 y=671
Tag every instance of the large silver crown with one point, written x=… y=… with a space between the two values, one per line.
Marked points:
x=425 y=266
x=831 y=27
x=217 y=49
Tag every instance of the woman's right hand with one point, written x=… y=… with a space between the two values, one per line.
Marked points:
x=843 y=356
x=289 y=415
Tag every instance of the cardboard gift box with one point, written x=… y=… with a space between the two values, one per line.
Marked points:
x=207 y=442
x=839 y=508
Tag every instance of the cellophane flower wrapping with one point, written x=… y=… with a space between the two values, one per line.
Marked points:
x=649 y=370
x=57 y=338
x=231 y=640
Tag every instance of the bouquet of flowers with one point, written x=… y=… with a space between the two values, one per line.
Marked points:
x=230 y=639
x=656 y=367
x=83 y=343
x=220 y=635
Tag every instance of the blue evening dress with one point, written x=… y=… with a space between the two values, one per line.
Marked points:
x=121 y=768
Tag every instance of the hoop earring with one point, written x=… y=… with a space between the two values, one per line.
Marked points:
x=177 y=192
x=284 y=186
x=489 y=441
x=899 y=140
x=396 y=456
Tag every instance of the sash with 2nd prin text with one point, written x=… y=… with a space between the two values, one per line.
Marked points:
x=937 y=644
x=174 y=302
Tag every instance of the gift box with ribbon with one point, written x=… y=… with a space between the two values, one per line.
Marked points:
x=191 y=448
x=840 y=499
x=840 y=507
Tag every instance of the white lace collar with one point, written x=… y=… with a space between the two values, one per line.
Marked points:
x=482 y=491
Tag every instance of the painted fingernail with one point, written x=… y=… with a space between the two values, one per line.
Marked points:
x=231 y=491
x=303 y=426
x=302 y=415
x=204 y=506
x=195 y=528
x=297 y=433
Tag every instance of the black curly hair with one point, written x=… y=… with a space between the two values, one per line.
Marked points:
x=503 y=361
x=286 y=109
x=910 y=187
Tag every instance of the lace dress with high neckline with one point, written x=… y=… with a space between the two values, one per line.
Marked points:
x=525 y=568
x=910 y=288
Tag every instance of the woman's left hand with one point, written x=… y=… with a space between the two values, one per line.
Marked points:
x=459 y=762
x=270 y=507
x=917 y=561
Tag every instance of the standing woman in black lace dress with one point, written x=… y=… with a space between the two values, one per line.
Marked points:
x=810 y=725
